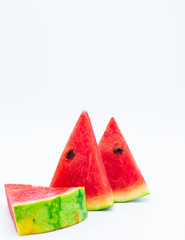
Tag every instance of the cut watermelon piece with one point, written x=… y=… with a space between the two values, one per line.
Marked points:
x=123 y=173
x=43 y=209
x=81 y=165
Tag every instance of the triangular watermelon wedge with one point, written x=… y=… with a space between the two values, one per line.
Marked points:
x=81 y=165
x=123 y=173
x=42 y=209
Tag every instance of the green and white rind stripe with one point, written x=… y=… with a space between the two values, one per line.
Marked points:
x=131 y=194
x=50 y=214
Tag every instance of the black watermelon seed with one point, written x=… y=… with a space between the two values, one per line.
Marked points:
x=70 y=154
x=118 y=150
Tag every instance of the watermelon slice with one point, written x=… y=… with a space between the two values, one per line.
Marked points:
x=123 y=173
x=43 y=209
x=81 y=165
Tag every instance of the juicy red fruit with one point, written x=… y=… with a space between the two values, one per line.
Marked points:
x=121 y=168
x=85 y=167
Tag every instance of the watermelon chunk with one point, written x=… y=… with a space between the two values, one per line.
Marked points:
x=81 y=165
x=123 y=173
x=42 y=209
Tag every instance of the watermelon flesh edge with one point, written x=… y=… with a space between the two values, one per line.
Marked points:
x=49 y=210
x=125 y=178
x=85 y=168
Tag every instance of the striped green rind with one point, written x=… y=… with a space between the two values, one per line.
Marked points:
x=51 y=214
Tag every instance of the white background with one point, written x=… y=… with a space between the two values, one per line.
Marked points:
x=113 y=58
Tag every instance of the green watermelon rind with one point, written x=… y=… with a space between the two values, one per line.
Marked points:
x=131 y=199
x=51 y=214
x=98 y=203
x=134 y=193
x=101 y=208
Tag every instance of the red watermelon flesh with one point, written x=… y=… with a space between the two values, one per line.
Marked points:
x=24 y=193
x=123 y=173
x=36 y=209
x=81 y=165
